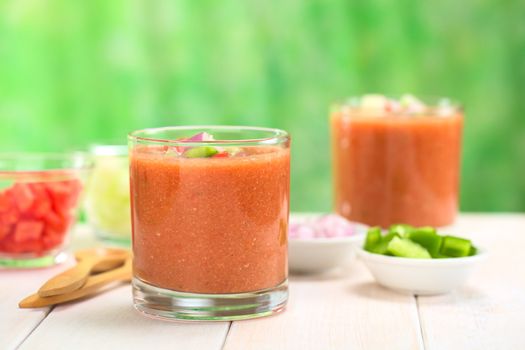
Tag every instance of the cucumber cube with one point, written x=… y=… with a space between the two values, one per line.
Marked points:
x=200 y=152
x=455 y=246
x=382 y=246
x=473 y=251
x=401 y=229
x=427 y=229
x=427 y=238
x=405 y=248
x=389 y=236
x=373 y=238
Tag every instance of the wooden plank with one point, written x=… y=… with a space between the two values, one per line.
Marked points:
x=487 y=313
x=108 y=321
x=344 y=310
x=17 y=324
x=340 y=310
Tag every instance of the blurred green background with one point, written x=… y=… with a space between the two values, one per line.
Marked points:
x=77 y=72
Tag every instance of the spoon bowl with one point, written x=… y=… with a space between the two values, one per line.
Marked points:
x=94 y=260
x=109 y=258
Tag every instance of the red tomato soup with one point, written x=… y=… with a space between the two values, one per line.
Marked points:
x=211 y=225
x=395 y=167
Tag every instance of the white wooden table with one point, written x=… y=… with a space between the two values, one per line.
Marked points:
x=343 y=310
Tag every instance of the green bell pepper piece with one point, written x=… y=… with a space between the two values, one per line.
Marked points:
x=405 y=248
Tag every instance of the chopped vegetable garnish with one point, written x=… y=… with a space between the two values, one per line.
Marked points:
x=380 y=248
x=428 y=238
x=36 y=216
x=200 y=152
x=195 y=152
x=405 y=248
x=374 y=102
x=411 y=104
x=377 y=105
x=376 y=243
x=373 y=238
x=455 y=246
x=233 y=151
x=417 y=242
x=222 y=154
x=401 y=229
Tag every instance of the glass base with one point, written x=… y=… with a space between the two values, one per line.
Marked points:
x=172 y=305
x=29 y=261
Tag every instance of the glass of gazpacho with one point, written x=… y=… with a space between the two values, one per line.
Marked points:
x=209 y=219
x=396 y=160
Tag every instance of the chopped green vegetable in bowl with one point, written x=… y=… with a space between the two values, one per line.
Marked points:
x=417 y=243
x=436 y=263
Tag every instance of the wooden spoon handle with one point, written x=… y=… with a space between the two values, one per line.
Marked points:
x=69 y=280
x=93 y=284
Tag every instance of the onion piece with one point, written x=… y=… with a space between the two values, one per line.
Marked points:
x=200 y=137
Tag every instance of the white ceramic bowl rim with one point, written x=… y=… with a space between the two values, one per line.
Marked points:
x=386 y=259
x=329 y=240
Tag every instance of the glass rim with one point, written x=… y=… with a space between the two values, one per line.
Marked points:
x=276 y=136
x=108 y=150
x=433 y=104
x=78 y=160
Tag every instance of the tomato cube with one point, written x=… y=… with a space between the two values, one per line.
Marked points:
x=42 y=203
x=28 y=230
x=9 y=246
x=64 y=195
x=57 y=222
x=33 y=246
x=5 y=200
x=221 y=155
x=23 y=196
x=40 y=209
x=5 y=229
x=11 y=216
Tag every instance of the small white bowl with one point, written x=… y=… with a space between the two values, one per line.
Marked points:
x=315 y=255
x=420 y=276
x=320 y=254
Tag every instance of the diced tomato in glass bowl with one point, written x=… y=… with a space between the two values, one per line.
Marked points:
x=39 y=197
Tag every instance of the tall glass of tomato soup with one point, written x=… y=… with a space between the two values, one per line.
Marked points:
x=210 y=211
x=396 y=160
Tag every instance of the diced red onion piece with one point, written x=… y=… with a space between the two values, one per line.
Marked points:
x=200 y=137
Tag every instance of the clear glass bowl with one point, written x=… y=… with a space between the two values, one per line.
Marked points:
x=39 y=198
x=107 y=203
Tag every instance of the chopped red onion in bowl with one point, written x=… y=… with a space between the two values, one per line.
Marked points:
x=325 y=226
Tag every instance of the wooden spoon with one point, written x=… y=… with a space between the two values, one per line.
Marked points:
x=89 y=261
x=93 y=284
